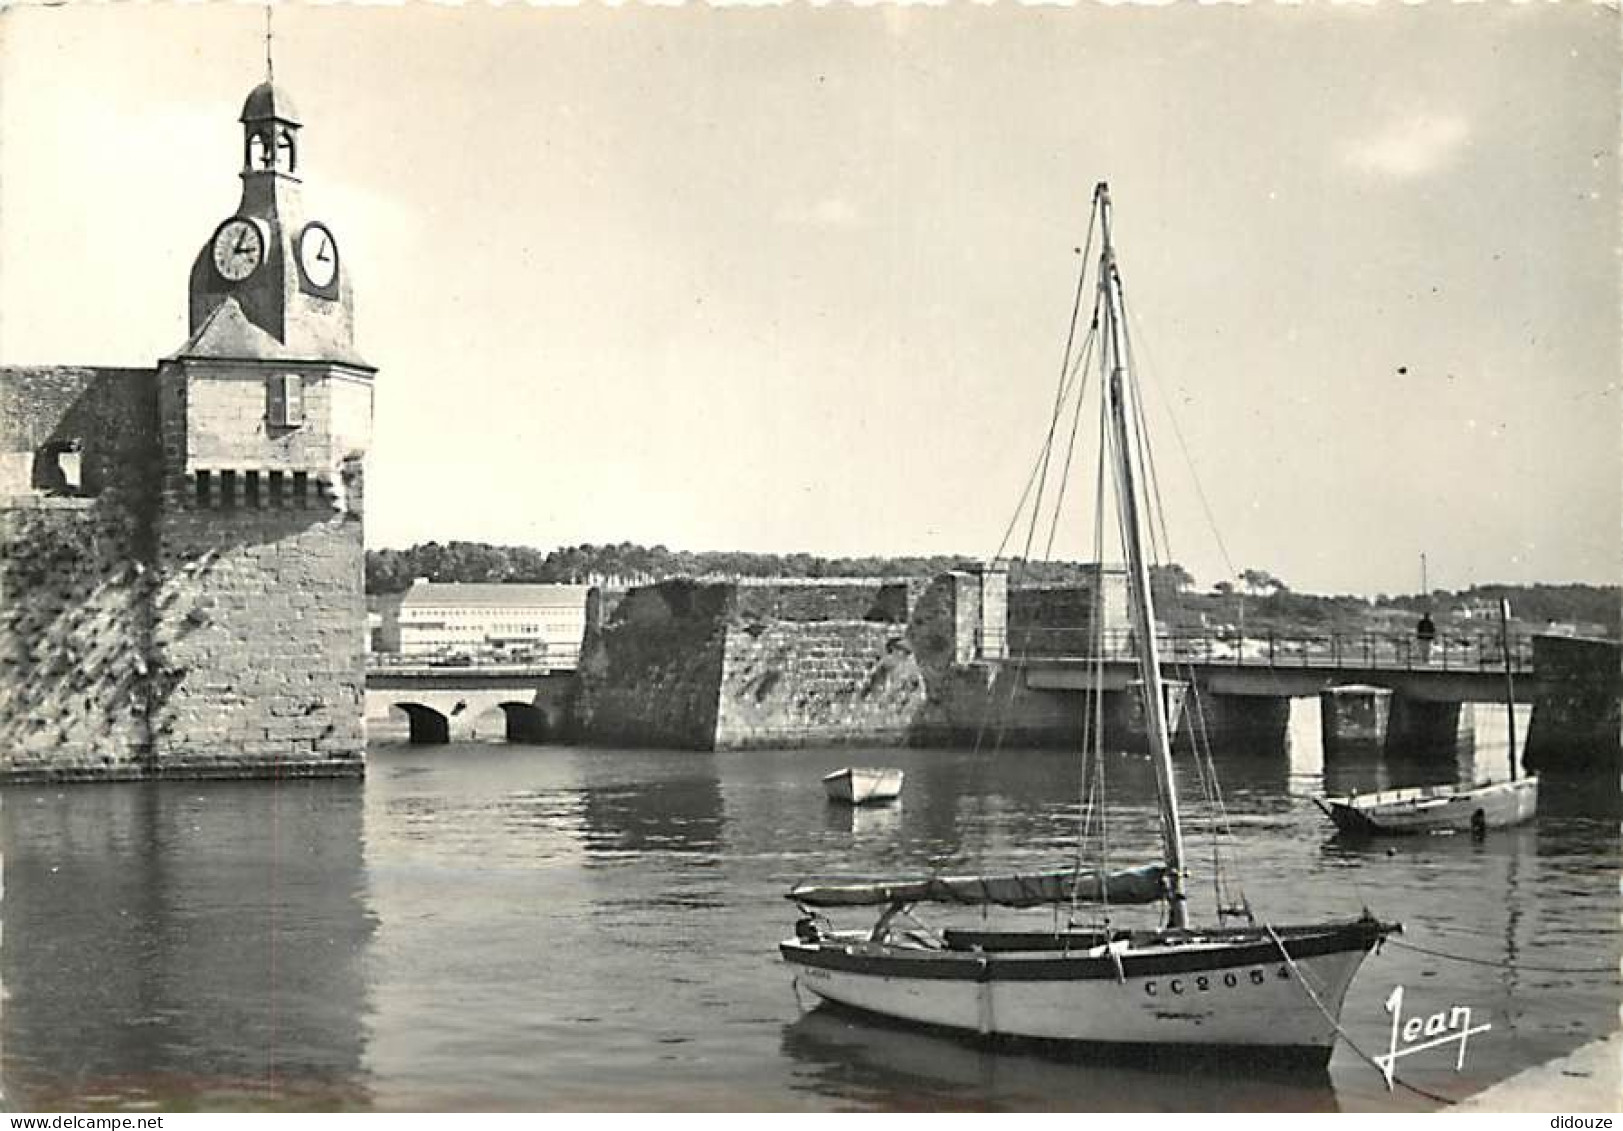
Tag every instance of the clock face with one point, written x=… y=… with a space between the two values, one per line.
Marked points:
x=239 y=249
x=318 y=257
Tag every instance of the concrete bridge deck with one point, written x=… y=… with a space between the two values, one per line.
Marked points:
x=1459 y=670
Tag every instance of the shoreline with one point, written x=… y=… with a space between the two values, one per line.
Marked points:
x=1588 y=1079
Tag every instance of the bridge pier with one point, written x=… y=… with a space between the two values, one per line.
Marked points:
x=1430 y=730
x=1354 y=715
x=1246 y=724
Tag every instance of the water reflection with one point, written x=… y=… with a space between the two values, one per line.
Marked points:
x=863 y=820
x=562 y=928
x=177 y=946
x=677 y=812
x=887 y=1066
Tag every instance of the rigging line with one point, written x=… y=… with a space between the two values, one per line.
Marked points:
x=1194 y=474
x=1039 y=468
x=1096 y=632
x=1612 y=970
x=1065 y=362
x=1205 y=764
x=1068 y=383
x=1301 y=980
x=1070 y=445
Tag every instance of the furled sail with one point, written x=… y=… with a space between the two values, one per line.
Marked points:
x=1016 y=889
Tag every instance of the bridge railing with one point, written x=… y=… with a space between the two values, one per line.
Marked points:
x=1462 y=652
x=553 y=659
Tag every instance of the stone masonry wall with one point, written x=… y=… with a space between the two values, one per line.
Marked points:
x=259 y=650
x=861 y=599
x=142 y=637
x=816 y=683
x=727 y=665
x=1577 y=726
x=650 y=674
x=75 y=582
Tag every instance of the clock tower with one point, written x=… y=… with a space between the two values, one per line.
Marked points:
x=266 y=415
x=269 y=381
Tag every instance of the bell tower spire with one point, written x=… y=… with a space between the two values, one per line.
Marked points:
x=269 y=266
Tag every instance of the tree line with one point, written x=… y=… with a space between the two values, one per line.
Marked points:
x=1255 y=596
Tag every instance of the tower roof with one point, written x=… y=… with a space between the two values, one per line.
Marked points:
x=228 y=333
x=267 y=101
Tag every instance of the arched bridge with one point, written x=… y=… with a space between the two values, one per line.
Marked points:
x=438 y=703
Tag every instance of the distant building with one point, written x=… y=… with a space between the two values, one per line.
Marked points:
x=522 y=623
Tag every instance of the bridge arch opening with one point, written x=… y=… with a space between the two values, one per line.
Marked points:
x=428 y=726
x=526 y=723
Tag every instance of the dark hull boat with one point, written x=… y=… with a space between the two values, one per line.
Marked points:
x=1446 y=808
x=1434 y=809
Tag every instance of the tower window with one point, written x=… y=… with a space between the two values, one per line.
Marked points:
x=284 y=145
x=285 y=401
x=58 y=468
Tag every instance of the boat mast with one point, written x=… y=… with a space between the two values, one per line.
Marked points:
x=1510 y=680
x=1143 y=608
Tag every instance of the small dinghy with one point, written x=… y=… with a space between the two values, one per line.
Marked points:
x=1446 y=808
x=863 y=785
x=1435 y=809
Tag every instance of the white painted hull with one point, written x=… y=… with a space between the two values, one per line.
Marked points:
x=863 y=785
x=1260 y=1005
x=1437 y=809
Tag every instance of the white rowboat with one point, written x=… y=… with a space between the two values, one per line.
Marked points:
x=863 y=785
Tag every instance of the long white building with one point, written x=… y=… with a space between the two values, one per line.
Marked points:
x=531 y=623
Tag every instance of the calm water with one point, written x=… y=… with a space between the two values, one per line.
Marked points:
x=508 y=927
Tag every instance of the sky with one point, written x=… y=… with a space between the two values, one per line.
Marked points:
x=798 y=279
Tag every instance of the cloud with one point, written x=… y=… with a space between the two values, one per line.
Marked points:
x=830 y=212
x=1413 y=147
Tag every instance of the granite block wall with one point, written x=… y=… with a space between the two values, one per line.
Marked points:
x=788 y=683
x=258 y=645
x=651 y=672
x=143 y=635
x=724 y=666
x=75 y=582
x=1577 y=726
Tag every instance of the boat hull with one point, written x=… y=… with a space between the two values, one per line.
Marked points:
x=863 y=785
x=1228 y=995
x=1438 y=809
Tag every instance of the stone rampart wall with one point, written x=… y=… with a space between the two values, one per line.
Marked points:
x=257 y=642
x=810 y=601
x=650 y=671
x=75 y=582
x=1578 y=724
x=140 y=636
x=788 y=683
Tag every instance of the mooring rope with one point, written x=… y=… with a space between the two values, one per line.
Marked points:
x=1301 y=980
x=1612 y=970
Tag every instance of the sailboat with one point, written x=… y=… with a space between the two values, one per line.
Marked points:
x=1272 y=991
x=1446 y=808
